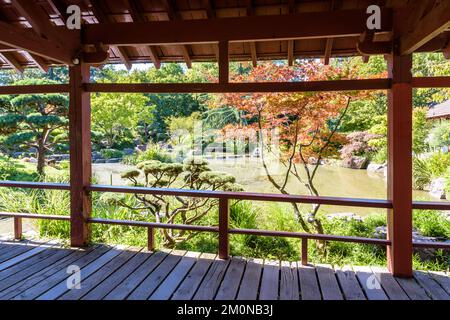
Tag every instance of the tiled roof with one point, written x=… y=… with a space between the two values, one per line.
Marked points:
x=439 y=111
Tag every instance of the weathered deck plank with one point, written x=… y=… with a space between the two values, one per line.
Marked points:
x=270 y=280
x=388 y=283
x=211 y=283
x=170 y=284
x=123 y=290
x=328 y=283
x=309 y=285
x=189 y=286
x=249 y=287
x=34 y=271
x=149 y=285
x=370 y=283
x=349 y=284
x=433 y=289
x=230 y=284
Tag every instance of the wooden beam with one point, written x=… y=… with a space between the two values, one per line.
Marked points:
x=80 y=156
x=209 y=8
x=329 y=43
x=431 y=82
x=224 y=66
x=254 y=28
x=23 y=39
x=434 y=23
x=9 y=58
x=124 y=57
x=446 y=51
x=307 y=86
x=39 y=62
x=59 y=8
x=290 y=52
x=135 y=8
x=29 y=89
x=102 y=18
x=400 y=165
x=38 y=19
x=172 y=14
x=253 y=54
x=186 y=56
x=151 y=51
x=328 y=49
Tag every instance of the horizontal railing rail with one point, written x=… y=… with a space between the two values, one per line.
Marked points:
x=223 y=228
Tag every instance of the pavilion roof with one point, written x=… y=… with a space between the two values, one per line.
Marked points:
x=177 y=31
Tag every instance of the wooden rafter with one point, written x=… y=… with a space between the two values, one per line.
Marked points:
x=329 y=41
x=211 y=14
x=135 y=8
x=428 y=27
x=39 y=62
x=253 y=53
x=99 y=13
x=290 y=51
x=291 y=43
x=59 y=8
x=252 y=45
x=9 y=58
x=38 y=19
x=172 y=14
x=124 y=57
x=254 y=28
x=23 y=39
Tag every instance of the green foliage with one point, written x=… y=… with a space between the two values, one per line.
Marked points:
x=115 y=116
x=153 y=152
x=440 y=135
x=431 y=223
x=111 y=153
x=438 y=163
x=421 y=174
x=421 y=130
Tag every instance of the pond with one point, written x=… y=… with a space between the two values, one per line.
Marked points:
x=249 y=172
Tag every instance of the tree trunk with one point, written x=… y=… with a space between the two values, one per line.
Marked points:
x=40 y=157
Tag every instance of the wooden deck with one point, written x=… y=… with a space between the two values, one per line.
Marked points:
x=31 y=270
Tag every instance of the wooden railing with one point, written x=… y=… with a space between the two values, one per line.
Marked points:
x=223 y=228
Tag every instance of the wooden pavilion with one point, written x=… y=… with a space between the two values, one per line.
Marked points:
x=33 y=33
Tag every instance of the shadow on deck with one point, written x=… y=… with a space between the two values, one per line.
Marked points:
x=36 y=270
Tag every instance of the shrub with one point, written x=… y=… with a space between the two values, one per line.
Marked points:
x=440 y=135
x=153 y=152
x=358 y=144
x=111 y=153
x=438 y=164
x=421 y=174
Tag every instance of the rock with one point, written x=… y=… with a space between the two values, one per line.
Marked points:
x=446 y=215
x=376 y=168
x=96 y=155
x=30 y=160
x=437 y=188
x=355 y=162
x=113 y=160
x=347 y=216
x=128 y=151
x=99 y=161
x=424 y=253
x=141 y=147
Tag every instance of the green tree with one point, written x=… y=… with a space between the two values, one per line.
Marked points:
x=33 y=120
x=194 y=174
x=115 y=115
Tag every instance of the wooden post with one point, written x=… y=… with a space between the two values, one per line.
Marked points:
x=304 y=256
x=150 y=239
x=399 y=253
x=224 y=212
x=17 y=228
x=80 y=156
x=223 y=62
